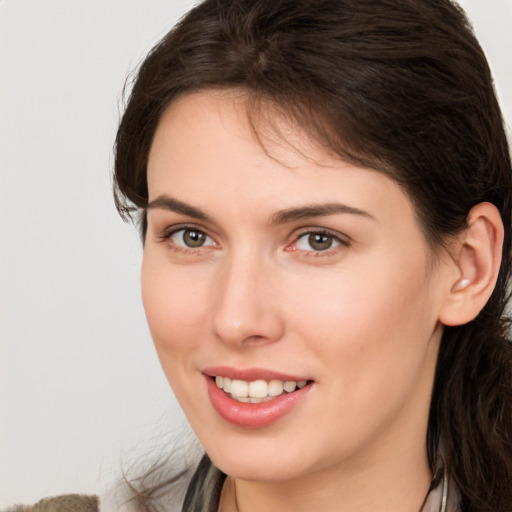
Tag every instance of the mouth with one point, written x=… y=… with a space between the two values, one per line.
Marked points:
x=256 y=391
x=255 y=398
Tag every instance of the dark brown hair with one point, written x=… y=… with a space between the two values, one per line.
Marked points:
x=401 y=86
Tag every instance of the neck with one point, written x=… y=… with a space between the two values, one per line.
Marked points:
x=394 y=485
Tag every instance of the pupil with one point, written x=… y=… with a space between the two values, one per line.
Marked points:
x=194 y=238
x=320 y=242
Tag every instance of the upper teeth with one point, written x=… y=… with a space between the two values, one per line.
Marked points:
x=260 y=390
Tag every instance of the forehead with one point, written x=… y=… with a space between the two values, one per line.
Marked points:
x=261 y=124
x=207 y=152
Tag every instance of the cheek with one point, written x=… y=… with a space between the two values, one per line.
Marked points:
x=370 y=323
x=370 y=334
x=175 y=310
x=174 y=306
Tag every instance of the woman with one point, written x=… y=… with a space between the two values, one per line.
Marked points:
x=324 y=194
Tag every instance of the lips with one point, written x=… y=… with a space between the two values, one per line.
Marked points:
x=254 y=398
x=256 y=391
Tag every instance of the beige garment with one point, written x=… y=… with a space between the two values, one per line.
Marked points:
x=66 y=503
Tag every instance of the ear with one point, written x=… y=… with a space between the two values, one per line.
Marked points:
x=477 y=257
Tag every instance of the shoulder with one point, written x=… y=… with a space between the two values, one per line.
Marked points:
x=65 y=503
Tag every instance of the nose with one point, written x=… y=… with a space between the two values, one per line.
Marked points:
x=245 y=306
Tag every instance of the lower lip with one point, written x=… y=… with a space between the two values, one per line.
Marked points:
x=249 y=415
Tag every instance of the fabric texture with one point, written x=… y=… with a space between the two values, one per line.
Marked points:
x=66 y=503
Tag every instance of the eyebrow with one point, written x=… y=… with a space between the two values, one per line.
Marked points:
x=316 y=210
x=281 y=217
x=174 y=205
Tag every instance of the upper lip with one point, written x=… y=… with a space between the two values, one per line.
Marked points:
x=250 y=374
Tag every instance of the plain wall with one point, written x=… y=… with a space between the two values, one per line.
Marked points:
x=81 y=388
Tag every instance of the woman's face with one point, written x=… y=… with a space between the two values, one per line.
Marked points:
x=264 y=266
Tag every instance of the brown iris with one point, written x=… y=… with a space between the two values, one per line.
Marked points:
x=320 y=241
x=192 y=238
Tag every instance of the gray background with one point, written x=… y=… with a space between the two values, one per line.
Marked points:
x=81 y=389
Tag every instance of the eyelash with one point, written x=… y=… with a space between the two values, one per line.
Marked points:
x=167 y=237
x=334 y=238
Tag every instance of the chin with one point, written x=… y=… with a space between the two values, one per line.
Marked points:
x=255 y=457
x=258 y=468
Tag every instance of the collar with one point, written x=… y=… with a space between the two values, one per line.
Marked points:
x=443 y=494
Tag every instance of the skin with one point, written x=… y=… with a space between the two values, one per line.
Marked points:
x=361 y=319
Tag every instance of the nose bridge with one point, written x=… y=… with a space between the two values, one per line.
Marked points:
x=244 y=310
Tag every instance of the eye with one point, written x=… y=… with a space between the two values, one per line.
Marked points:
x=316 y=242
x=319 y=242
x=191 y=238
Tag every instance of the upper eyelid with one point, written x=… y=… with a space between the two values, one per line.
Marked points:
x=326 y=231
x=170 y=230
x=170 y=226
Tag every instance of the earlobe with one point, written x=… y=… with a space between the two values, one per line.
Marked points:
x=477 y=256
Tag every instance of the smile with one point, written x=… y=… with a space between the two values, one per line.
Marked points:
x=256 y=391
x=255 y=398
